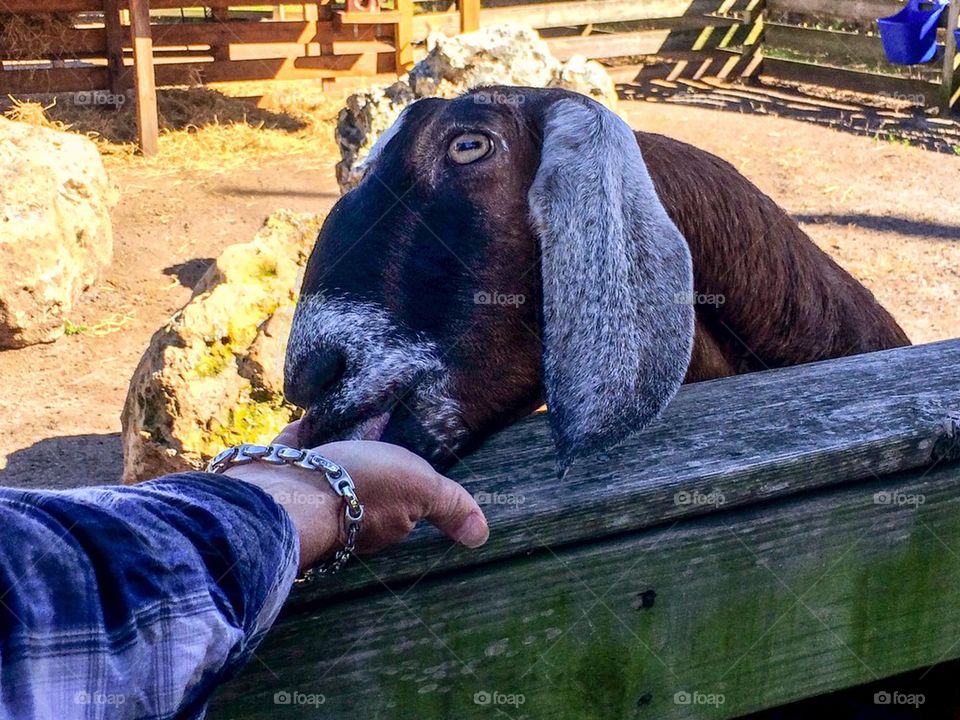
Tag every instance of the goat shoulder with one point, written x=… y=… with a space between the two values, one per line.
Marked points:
x=785 y=301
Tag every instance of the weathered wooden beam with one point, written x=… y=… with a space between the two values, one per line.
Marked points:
x=750 y=438
x=948 y=82
x=717 y=617
x=148 y=124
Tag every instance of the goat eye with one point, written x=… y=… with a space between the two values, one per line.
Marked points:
x=468 y=148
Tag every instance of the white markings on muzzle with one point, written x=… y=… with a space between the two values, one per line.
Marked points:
x=382 y=366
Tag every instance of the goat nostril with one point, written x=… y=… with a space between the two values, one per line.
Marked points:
x=323 y=370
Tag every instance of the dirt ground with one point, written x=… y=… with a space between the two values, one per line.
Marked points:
x=888 y=212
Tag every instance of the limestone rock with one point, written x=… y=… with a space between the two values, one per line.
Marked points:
x=507 y=54
x=55 y=234
x=213 y=376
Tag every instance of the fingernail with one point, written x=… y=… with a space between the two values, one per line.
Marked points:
x=474 y=531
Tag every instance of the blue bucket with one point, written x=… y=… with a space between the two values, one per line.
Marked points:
x=910 y=36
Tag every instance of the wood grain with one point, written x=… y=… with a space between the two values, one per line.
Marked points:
x=148 y=125
x=755 y=607
x=746 y=439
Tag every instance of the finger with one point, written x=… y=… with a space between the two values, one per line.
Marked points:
x=455 y=513
x=288 y=436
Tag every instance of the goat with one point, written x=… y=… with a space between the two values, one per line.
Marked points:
x=516 y=245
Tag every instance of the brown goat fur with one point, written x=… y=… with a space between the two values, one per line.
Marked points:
x=785 y=301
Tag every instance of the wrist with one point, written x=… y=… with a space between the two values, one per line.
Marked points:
x=314 y=509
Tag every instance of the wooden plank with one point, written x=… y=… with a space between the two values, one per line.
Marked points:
x=855 y=10
x=249 y=51
x=302 y=68
x=239 y=32
x=54 y=80
x=753 y=608
x=469 y=15
x=34 y=6
x=69 y=43
x=752 y=437
x=565 y=14
x=837 y=49
x=113 y=36
x=713 y=34
x=385 y=17
x=948 y=83
x=403 y=36
x=148 y=124
x=856 y=81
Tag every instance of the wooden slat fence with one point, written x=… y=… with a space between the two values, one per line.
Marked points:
x=87 y=44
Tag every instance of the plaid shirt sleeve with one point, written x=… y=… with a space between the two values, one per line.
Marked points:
x=136 y=602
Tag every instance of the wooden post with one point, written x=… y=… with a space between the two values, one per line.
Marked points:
x=403 y=36
x=221 y=51
x=948 y=85
x=469 y=15
x=140 y=36
x=114 y=33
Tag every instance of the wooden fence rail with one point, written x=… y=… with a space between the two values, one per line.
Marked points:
x=774 y=536
x=828 y=42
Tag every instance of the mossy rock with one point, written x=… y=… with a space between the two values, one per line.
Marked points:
x=213 y=375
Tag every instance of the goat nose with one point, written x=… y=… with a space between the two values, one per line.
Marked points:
x=322 y=370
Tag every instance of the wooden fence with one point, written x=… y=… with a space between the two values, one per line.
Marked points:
x=114 y=44
x=775 y=536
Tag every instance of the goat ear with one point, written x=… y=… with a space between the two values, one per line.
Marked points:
x=617 y=281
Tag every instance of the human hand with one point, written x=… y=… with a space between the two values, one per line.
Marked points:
x=396 y=488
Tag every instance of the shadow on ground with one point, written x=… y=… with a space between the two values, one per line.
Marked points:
x=890 y=224
x=189 y=273
x=908 y=126
x=65 y=462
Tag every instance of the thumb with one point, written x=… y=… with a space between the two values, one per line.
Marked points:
x=455 y=513
x=288 y=436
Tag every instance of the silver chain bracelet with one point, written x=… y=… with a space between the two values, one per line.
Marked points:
x=338 y=477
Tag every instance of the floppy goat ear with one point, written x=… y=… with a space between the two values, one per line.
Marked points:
x=617 y=281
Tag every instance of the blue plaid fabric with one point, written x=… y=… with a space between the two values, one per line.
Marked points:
x=136 y=602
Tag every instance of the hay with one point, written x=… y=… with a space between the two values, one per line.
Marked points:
x=203 y=128
x=34 y=36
